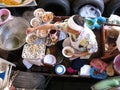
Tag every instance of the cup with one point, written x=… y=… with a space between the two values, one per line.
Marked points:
x=5 y=15
x=54 y=35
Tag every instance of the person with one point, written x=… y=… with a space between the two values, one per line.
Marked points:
x=80 y=37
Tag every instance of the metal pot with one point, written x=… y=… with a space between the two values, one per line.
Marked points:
x=13 y=34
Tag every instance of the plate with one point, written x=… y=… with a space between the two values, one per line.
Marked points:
x=26 y=2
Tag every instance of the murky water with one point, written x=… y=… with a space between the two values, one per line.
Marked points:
x=12 y=42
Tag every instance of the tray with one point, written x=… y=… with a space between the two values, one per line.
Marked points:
x=26 y=3
x=33 y=51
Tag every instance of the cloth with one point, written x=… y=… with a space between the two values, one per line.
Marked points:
x=27 y=64
x=85 y=70
x=70 y=70
x=73 y=25
x=78 y=63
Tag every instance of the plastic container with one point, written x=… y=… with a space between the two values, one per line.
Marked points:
x=5 y=15
x=116 y=64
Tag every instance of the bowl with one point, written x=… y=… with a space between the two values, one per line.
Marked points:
x=47 y=17
x=38 y=12
x=116 y=64
x=13 y=34
x=35 y=22
x=60 y=69
x=31 y=38
x=5 y=15
x=49 y=59
x=68 y=51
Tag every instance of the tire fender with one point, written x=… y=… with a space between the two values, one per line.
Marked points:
x=58 y=7
x=112 y=7
x=77 y=4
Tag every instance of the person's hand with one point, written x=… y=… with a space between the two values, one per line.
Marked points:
x=76 y=55
x=29 y=30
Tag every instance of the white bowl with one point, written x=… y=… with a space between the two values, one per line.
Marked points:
x=68 y=51
x=35 y=22
x=38 y=12
x=31 y=38
x=49 y=59
x=60 y=69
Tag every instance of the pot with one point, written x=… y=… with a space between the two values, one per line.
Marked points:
x=13 y=34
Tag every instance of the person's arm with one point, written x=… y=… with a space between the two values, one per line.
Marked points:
x=41 y=27
x=81 y=54
x=58 y=26
x=91 y=48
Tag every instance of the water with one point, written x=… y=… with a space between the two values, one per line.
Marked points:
x=12 y=42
